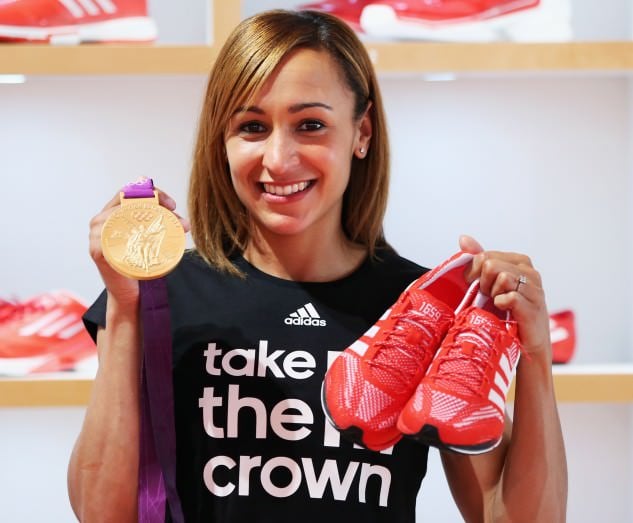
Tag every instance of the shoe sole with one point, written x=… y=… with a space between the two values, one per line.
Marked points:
x=133 y=29
x=353 y=433
x=429 y=435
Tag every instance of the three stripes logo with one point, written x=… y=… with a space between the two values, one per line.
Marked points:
x=54 y=324
x=82 y=8
x=305 y=316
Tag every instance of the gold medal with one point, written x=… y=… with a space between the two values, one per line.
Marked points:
x=141 y=239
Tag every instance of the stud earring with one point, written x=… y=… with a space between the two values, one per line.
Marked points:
x=361 y=150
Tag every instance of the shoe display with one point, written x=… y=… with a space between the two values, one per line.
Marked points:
x=347 y=10
x=469 y=20
x=43 y=334
x=368 y=384
x=460 y=404
x=76 y=21
x=562 y=326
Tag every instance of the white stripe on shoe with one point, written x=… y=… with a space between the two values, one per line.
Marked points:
x=107 y=6
x=89 y=7
x=73 y=8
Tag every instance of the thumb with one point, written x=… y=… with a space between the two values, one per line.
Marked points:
x=469 y=244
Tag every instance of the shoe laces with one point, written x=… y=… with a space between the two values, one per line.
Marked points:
x=407 y=350
x=464 y=361
x=12 y=309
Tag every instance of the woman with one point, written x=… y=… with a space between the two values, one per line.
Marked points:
x=287 y=196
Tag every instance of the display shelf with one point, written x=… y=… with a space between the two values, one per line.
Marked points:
x=110 y=59
x=574 y=384
x=46 y=391
x=421 y=57
x=105 y=59
x=409 y=57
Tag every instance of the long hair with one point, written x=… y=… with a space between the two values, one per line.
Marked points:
x=220 y=224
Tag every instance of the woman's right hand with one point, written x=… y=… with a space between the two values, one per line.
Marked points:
x=120 y=288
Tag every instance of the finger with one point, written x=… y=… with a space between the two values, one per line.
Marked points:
x=505 y=277
x=116 y=200
x=165 y=200
x=509 y=257
x=469 y=244
x=488 y=266
x=526 y=294
x=186 y=225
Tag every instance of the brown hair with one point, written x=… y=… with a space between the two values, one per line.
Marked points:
x=219 y=221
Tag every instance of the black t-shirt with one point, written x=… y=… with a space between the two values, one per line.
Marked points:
x=249 y=356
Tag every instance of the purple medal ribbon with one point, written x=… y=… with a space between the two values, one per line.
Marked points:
x=157 y=460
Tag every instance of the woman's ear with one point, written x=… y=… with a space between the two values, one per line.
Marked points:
x=364 y=131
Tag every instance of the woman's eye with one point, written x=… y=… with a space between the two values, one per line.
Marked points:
x=252 y=127
x=311 y=125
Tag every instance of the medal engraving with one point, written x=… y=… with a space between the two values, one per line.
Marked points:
x=142 y=240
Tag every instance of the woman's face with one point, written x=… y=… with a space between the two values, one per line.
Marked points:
x=290 y=152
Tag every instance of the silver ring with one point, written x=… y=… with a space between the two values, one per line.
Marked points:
x=522 y=281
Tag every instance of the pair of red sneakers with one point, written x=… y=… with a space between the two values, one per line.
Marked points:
x=76 y=21
x=436 y=367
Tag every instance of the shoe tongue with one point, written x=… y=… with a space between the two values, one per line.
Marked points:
x=480 y=320
x=429 y=306
x=421 y=327
x=465 y=361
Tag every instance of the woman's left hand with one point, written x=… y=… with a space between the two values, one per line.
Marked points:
x=500 y=276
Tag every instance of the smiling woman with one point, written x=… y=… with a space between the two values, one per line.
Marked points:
x=297 y=100
x=287 y=196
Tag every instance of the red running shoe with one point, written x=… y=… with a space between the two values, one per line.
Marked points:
x=562 y=327
x=460 y=404
x=43 y=334
x=75 y=21
x=347 y=10
x=369 y=383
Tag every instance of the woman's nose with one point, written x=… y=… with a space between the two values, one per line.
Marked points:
x=280 y=153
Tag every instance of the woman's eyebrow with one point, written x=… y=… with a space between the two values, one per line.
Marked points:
x=295 y=108
x=248 y=109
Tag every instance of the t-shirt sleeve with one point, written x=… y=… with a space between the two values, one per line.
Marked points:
x=95 y=316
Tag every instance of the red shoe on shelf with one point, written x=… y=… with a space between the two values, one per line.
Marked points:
x=460 y=404
x=43 y=334
x=369 y=383
x=469 y=20
x=76 y=21
x=347 y=10
x=562 y=327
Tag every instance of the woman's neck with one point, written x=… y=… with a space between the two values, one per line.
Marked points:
x=304 y=258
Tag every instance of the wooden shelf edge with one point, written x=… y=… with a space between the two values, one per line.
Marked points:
x=105 y=59
x=591 y=388
x=501 y=57
x=404 y=57
x=44 y=392
x=611 y=384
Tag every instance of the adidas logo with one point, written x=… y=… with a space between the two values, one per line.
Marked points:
x=307 y=316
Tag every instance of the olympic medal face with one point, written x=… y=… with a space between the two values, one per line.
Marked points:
x=142 y=240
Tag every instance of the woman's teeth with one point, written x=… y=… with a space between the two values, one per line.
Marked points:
x=285 y=190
